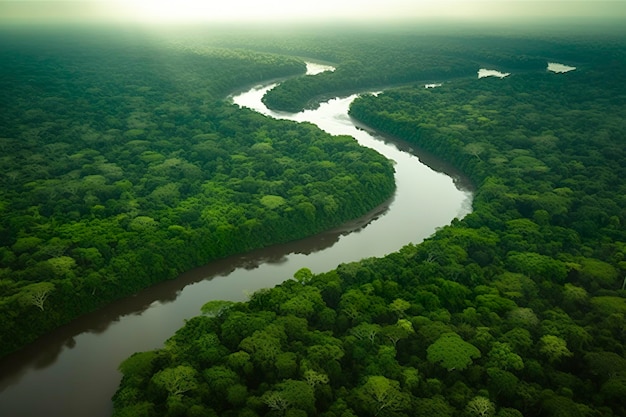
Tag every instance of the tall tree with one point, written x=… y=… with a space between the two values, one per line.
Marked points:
x=452 y=352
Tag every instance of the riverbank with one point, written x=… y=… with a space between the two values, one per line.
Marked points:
x=415 y=212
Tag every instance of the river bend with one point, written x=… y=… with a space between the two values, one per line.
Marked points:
x=73 y=370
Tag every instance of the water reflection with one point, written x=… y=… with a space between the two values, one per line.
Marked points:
x=559 y=68
x=460 y=181
x=482 y=73
x=73 y=371
x=314 y=68
x=46 y=350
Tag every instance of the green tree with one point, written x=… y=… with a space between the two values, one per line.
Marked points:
x=379 y=395
x=396 y=332
x=216 y=308
x=315 y=378
x=501 y=356
x=509 y=412
x=597 y=273
x=62 y=266
x=176 y=381
x=538 y=266
x=614 y=390
x=276 y=401
x=399 y=306
x=553 y=348
x=37 y=294
x=480 y=407
x=240 y=362
x=138 y=366
x=519 y=339
x=220 y=379
x=303 y=275
x=452 y=352
x=502 y=383
x=291 y=394
x=326 y=356
x=237 y=395
x=286 y=365
x=366 y=331
x=574 y=296
x=606 y=364
x=436 y=406
x=410 y=379
x=262 y=346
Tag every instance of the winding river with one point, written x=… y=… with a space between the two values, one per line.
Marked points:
x=73 y=371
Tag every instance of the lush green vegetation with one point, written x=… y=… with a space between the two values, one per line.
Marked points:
x=122 y=166
x=387 y=59
x=518 y=309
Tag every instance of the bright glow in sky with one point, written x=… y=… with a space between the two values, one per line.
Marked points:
x=186 y=10
x=181 y=11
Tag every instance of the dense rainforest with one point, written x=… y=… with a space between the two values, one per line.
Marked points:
x=517 y=309
x=123 y=165
x=365 y=62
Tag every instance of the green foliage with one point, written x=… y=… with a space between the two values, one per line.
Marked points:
x=303 y=275
x=139 y=174
x=37 y=294
x=480 y=407
x=554 y=348
x=607 y=305
x=452 y=352
x=216 y=307
x=594 y=272
x=139 y=364
x=365 y=61
x=116 y=180
x=176 y=381
x=606 y=364
x=552 y=287
x=381 y=396
x=436 y=406
x=501 y=356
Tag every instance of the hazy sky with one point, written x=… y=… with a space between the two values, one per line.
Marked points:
x=178 y=11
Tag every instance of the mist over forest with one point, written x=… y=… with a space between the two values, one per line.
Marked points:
x=125 y=163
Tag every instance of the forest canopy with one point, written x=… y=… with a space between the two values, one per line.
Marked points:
x=124 y=165
x=517 y=309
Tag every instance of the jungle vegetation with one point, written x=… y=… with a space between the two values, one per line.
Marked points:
x=123 y=165
x=517 y=309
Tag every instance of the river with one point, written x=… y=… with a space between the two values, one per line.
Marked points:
x=73 y=370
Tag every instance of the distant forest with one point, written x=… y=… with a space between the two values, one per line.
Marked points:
x=124 y=164
x=517 y=309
